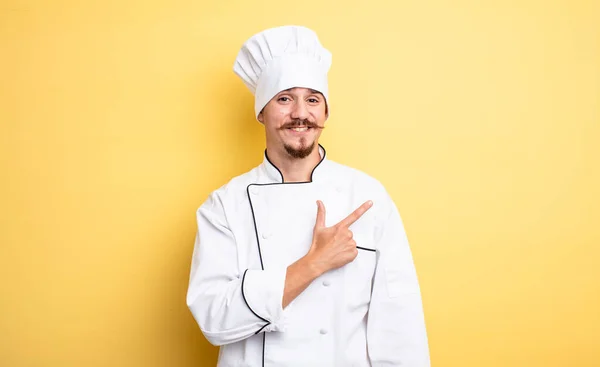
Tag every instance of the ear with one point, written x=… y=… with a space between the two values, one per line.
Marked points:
x=261 y=118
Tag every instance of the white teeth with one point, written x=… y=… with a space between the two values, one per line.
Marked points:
x=299 y=129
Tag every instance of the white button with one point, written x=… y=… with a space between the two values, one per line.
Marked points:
x=266 y=235
x=254 y=190
x=323 y=331
x=338 y=189
x=326 y=283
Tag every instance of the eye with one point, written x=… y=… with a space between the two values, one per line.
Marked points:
x=313 y=100
x=283 y=99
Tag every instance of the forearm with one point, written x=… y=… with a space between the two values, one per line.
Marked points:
x=221 y=311
x=298 y=277
x=229 y=311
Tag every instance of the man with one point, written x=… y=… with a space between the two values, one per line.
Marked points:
x=302 y=261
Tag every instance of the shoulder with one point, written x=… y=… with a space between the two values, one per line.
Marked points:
x=358 y=180
x=362 y=186
x=230 y=192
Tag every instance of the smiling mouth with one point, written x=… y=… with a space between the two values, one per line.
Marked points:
x=299 y=129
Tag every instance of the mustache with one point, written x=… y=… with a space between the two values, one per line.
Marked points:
x=299 y=122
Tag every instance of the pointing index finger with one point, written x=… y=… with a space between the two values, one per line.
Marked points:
x=355 y=215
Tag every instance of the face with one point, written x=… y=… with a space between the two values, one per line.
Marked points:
x=293 y=121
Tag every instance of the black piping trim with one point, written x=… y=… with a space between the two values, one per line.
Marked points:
x=280 y=174
x=258 y=240
x=263 y=354
x=311 y=173
x=262 y=267
x=245 y=300
x=261 y=329
x=366 y=249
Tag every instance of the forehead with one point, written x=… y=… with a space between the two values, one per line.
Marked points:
x=300 y=91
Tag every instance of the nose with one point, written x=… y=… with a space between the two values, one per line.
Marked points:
x=300 y=111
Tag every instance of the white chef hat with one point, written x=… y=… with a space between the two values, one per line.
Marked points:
x=280 y=58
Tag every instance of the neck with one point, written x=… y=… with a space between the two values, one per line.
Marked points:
x=294 y=169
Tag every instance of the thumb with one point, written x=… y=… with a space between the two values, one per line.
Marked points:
x=320 y=214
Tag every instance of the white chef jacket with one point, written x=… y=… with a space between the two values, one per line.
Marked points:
x=366 y=313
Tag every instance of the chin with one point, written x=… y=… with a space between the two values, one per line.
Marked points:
x=300 y=151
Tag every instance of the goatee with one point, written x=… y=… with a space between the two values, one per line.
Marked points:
x=300 y=153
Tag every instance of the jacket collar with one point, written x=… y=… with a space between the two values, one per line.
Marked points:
x=274 y=175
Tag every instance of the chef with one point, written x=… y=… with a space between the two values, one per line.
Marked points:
x=302 y=261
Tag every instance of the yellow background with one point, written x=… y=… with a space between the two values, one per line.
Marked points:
x=119 y=117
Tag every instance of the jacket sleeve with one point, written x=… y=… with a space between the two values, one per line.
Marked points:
x=396 y=333
x=230 y=304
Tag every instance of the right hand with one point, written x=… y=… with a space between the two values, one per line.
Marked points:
x=333 y=247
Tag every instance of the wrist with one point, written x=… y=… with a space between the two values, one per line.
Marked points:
x=315 y=267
